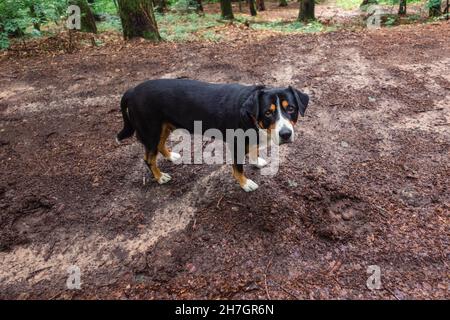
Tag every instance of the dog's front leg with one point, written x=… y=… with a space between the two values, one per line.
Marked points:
x=255 y=159
x=245 y=183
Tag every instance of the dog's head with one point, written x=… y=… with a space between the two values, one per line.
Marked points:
x=275 y=110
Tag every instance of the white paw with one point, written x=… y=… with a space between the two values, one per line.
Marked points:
x=144 y=180
x=174 y=156
x=260 y=163
x=249 y=185
x=164 y=178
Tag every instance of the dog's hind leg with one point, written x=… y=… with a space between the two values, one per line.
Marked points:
x=165 y=132
x=150 y=158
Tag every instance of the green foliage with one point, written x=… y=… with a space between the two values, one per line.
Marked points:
x=355 y=4
x=20 y=17
x=14 y=17
x=414 y=17
x=211 y=36
x=181 y=5
x=289 y=27
x=433 y=4
x=348 y=4
x=186 y=27
x=110 y=23
x=391 y=20
x=4 y=41
x=104 y=7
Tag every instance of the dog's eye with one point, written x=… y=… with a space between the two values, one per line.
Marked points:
x=290 y=109
x=268 y=113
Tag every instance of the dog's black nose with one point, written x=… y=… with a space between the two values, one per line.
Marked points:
x=285 y=134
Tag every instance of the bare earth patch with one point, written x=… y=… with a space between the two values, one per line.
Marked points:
x=365 y=182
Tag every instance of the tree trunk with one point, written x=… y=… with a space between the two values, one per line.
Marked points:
x=402 y=7
x=227 y=10
x=138 y=19
x=160 y=5
x=261 y=5
x=434 y=8
x=446 y=10
x=199 y=6
x=283 y=3
x=252 y=7
x=36 y=14
x=368 y=2
x=306 y=12
x=87 y=17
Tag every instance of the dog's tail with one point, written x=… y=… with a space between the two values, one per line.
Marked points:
x=128 y=129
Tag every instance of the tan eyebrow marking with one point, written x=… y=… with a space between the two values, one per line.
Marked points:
x=284 y=103
x=272 y=107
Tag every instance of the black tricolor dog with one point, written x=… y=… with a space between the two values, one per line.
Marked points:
x=156 y=107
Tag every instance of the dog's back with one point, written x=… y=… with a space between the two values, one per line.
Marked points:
x=183 y=101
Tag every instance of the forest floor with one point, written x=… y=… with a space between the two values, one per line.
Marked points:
x=365 y=183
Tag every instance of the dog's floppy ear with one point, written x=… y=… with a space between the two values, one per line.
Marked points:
x=250 y=108
x=301 y=99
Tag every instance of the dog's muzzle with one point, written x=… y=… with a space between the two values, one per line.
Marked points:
x=285 y=135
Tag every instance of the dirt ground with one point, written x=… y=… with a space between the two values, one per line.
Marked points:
x=365 y=183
